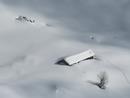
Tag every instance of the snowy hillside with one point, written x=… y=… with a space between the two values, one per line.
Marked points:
x=30 y=49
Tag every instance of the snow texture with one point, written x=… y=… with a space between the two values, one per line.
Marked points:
x=28 y=51
x=79 y=57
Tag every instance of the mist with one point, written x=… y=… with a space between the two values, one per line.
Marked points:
x=29 y=51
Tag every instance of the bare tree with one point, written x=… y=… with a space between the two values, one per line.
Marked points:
x=103 y=80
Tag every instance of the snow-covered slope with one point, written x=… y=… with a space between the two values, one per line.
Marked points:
x=28 y=53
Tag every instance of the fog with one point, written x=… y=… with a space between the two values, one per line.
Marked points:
x=29 y=51
x=83 y=16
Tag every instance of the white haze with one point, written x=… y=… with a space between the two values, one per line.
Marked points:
x=28 y=53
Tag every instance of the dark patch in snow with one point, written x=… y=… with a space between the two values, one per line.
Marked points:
x=24 y=19
x=103 y=80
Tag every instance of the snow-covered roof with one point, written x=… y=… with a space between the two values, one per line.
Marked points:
x=79 y=57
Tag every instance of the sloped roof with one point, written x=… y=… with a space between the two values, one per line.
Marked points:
x=79 y=57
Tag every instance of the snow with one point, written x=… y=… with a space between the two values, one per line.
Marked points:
x=79 y=57
x=28 y=54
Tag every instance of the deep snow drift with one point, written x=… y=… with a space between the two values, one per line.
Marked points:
x=28 y=53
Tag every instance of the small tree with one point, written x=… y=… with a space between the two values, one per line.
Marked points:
x=103 y=80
